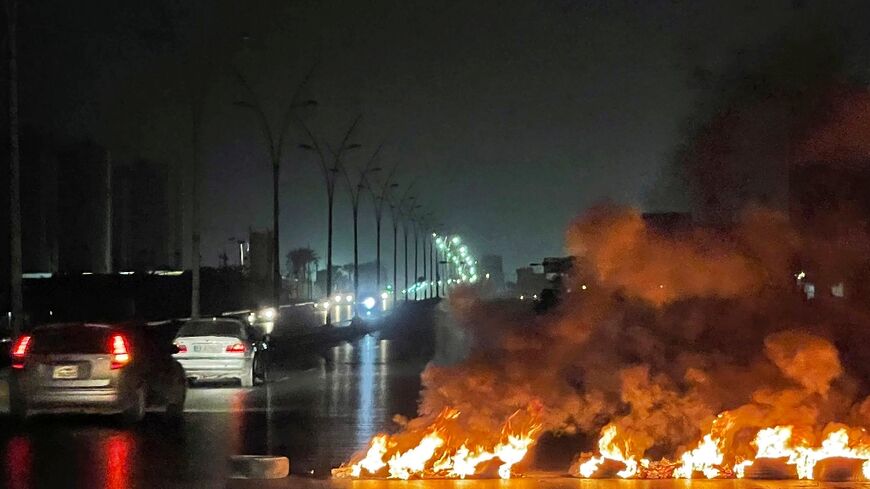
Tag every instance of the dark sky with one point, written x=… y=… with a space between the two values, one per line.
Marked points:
x=513 y=116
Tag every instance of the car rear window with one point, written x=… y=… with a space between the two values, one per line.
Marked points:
x=73 y=339
x=210 y=328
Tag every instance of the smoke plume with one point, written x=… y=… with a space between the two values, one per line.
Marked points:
x=669 y=331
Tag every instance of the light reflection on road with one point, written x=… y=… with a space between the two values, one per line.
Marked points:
x=366 y=385
x=117 y=453
x=17 y=463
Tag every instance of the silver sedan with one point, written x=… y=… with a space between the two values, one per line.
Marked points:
x=221 y=349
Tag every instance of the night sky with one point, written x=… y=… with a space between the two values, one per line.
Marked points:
x=513 y=116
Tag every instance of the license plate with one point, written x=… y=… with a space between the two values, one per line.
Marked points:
x=65 y=372
x=206 y=348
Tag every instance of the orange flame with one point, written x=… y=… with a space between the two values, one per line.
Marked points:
x=709 y=460
x=444 y=449
x=609 y=451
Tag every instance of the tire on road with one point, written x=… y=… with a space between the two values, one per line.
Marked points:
x=136 y=411
x=247 y=378
x=175 y=406
x=260 y=370
x=258 y=467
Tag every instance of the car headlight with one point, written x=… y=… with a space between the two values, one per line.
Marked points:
x=267 y=313
x=349 y=298
x=252 y=318
x=369 y=302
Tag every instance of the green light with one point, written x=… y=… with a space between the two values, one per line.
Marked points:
x=456 y=240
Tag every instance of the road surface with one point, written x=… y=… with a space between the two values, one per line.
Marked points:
x=546 y=482
x=323 y=403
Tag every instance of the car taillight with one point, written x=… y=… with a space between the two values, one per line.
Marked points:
x=182 y=348
x=119 y=350
x=236 y=348
x=19 y=351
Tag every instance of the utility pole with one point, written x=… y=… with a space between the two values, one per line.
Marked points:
x=15 y=262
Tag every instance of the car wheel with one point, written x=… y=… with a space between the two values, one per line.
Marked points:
x=175 y=406
x=248 y=377
x=136 y=411
x=260 y=370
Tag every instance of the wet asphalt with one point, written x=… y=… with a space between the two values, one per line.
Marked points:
x=324 y=401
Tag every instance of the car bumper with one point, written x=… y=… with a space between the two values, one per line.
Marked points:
x=215 y=368
x=66 y=400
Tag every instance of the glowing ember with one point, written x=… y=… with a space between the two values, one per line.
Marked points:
x=443 y=449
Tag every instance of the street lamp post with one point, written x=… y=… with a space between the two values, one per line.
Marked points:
x=330 y=171
x=396 y=214
x=405 y=229
x=274 y=137
x=432 y=264
x=355 y=189
x=380 y=196
x=415 y=225
x=425 y=265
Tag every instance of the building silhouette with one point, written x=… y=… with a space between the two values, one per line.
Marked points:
x=84 y=196
x=142 y=217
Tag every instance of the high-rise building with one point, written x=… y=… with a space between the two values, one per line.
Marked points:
x=84 y=183
x=491 y=273
x=39 y=210
x=142 y=217
x=530 y=282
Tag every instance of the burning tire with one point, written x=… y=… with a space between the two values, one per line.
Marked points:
x=839 y=469
x=771 y=469
x=258 y=467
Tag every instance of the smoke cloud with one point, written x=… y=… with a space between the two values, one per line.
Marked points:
x=670 y=331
